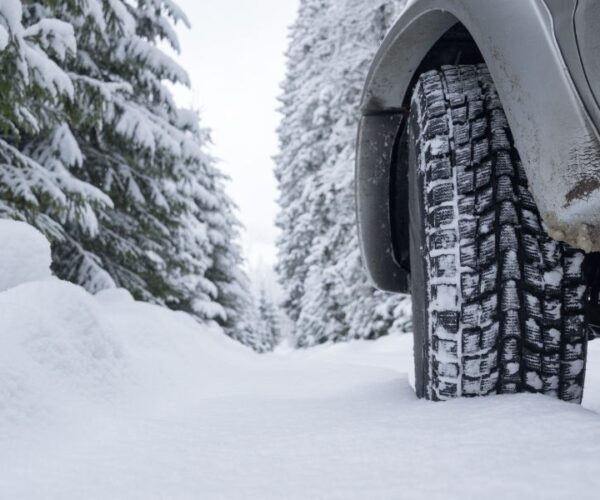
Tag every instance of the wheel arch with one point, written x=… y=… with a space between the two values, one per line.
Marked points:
x=515 y=39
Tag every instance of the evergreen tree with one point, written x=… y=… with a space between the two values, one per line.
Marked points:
x=328 y=296
x=299 y=155
x=36 y=184
x=130 y=194
x=268 y=323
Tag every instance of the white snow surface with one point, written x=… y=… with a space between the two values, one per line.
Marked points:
x=24 y=254
x=102 y=397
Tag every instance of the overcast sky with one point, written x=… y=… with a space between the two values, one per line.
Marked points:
x=234 y=54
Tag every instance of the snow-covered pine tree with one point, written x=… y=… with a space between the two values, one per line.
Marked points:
x=327 y=294
x=37 y=148
x=299 y=155
x=268 y=328
x=168 y=236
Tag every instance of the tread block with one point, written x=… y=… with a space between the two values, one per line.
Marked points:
x=574 y=298
x=497 y=118
x=574 y=327
x=469 y=283
x=508 y=238
x=551 y=366
x=531 y=249
x=530 y=221
x=468 y=256
x=573 y=352
x=483 y=174
x=436 y=105
x=476 y=109
x=510 y=296
x=511 y=326
x=504 y=189
x=444 y=347
x=533 y=277
x=465 y=181
x=480 y=365
x=485 y=200
x=481 y=150
x=443 y=239
x=510 y=266
x=461 y=133
x=488 y=279
x=500 y=140
x=432 y=83
x=467 y=229
x=450 y=370
x=492 y=101
x=462 y=156
x=551 y=253
x=437 y=148
x=552 y=309
x=459 y=111
x=526 y=198
x=436 y=126
x=445 y=389
x=441 y=193
x=511 y=353
x=486 y=252
x=508 y=213
x=572 y=369
x=504 y=164
x=533 y=333
x=522 y=176
x=478 y=128
x=533 y=306
x=552 y=339
x=532 y=360
x=444 y=266
x=471 y=314
x=440 y=168
x=448 y=320
x=471 y=340
x=485 y=223
x=489 y=335
x=483 y=385
x=571 y=391
x=509 y=387
x=466 y=205
x=573 y=266
x=441 y=216
x=489 y=309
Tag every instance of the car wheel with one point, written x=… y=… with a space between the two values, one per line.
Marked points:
x=498 y=305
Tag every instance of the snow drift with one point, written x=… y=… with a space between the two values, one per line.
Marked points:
x=104 y=397
x=61 y=347
x=24 y=254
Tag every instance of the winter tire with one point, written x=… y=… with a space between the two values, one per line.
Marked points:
x=498 y=304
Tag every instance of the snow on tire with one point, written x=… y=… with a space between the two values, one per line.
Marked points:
x=498 y=304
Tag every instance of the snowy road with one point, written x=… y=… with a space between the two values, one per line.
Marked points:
x=182 y=413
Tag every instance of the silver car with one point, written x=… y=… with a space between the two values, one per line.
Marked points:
x=478 y=190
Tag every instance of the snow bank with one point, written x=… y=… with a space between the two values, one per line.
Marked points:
x=62 y=348
x=54 y=347
x=24 y=254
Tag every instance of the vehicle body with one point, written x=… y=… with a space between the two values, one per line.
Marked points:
x=478 y=190
x=543 y=57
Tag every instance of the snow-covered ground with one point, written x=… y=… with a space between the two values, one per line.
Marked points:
x=106 y=398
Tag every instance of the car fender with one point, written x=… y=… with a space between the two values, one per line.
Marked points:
x=553 y=132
